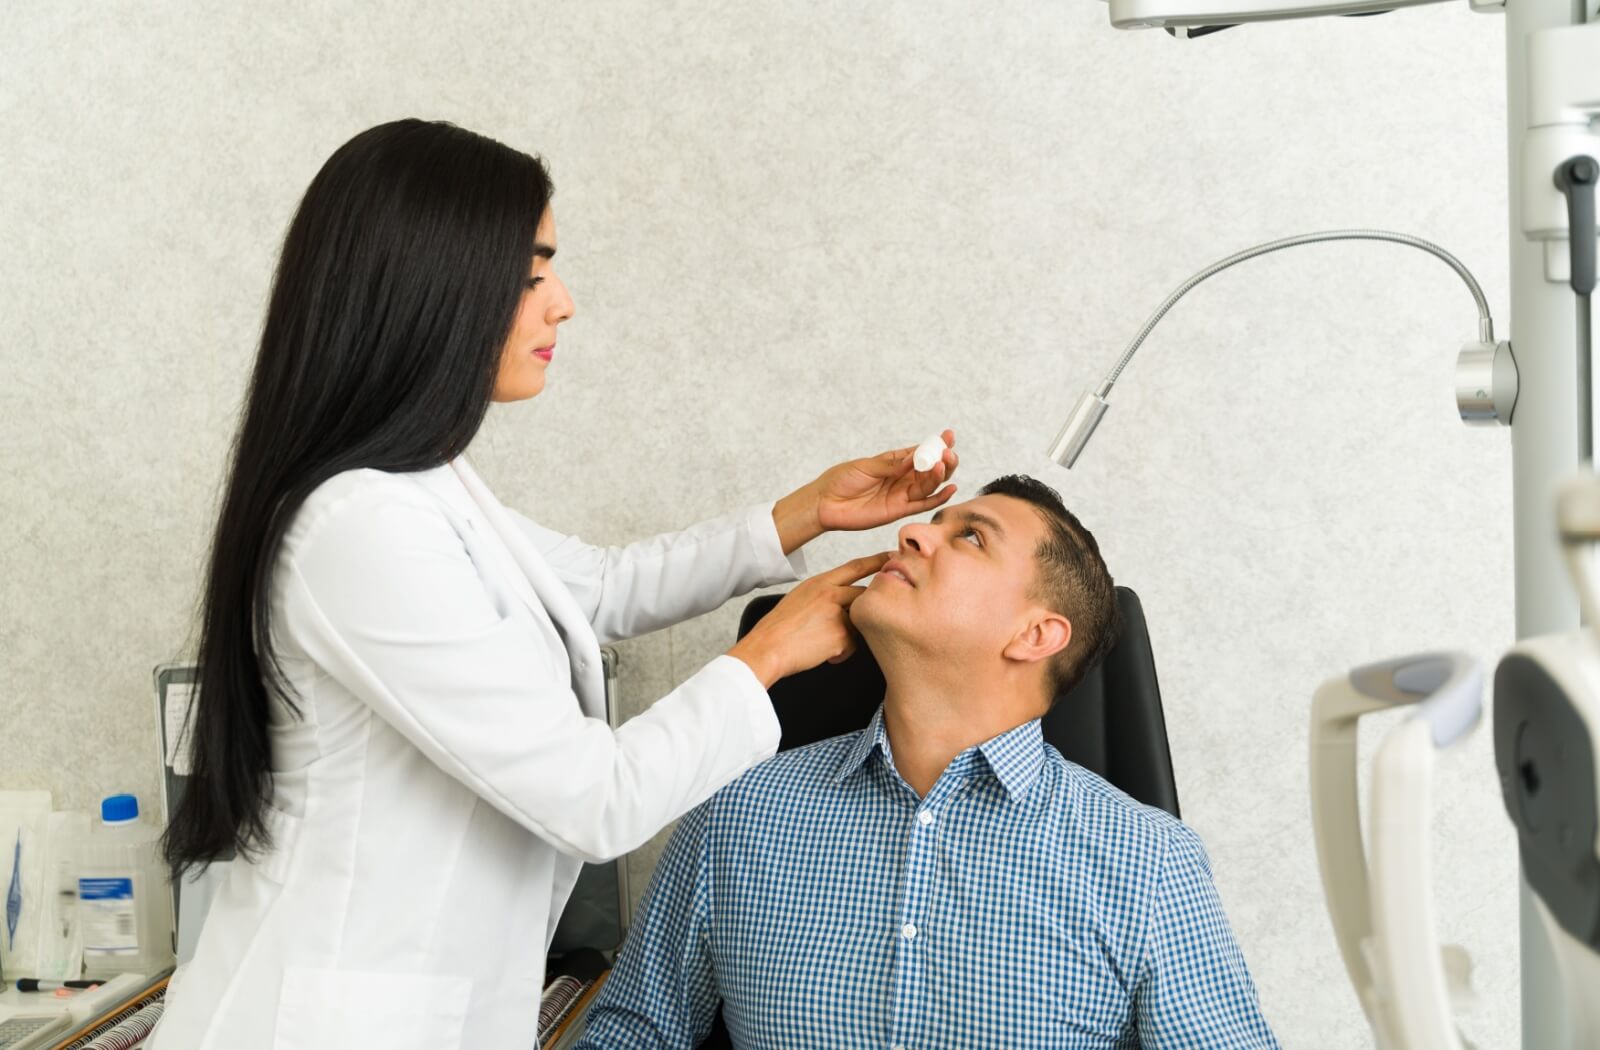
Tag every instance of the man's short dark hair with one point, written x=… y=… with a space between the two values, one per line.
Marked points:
x=1072 y=580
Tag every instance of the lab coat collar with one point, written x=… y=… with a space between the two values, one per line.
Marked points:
x=444 y=483
x=539 y=583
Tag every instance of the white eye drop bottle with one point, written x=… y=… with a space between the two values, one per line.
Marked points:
x=928 y=453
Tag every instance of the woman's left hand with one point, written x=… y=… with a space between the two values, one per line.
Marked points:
x=865 y=493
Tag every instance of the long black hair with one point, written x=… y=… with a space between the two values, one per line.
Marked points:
x=399 y=281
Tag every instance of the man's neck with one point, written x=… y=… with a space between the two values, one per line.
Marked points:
x=930 y=719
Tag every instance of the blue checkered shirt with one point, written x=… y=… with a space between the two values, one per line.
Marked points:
x=1024 y=903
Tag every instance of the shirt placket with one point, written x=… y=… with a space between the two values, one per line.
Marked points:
x=910 y=956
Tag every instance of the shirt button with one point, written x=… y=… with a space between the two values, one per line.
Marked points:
x=924 y=818
x=908 y=931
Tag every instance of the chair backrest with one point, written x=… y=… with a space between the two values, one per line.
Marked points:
x=1110 y=723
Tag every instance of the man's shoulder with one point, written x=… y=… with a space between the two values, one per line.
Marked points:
x=1106 y=816
x=788 y=775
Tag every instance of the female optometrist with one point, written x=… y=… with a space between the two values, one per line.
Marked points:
x=400 y=726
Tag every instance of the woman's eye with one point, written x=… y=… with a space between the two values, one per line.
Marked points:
x=534 y=282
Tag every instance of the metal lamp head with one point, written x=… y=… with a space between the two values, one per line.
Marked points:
x=1080 y=425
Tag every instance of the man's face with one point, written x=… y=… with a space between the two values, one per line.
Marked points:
x=959 y=584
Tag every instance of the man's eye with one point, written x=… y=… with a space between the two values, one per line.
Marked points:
x=534 y=282
x=970 y=531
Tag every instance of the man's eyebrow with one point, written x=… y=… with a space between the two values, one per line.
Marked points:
x=972 y=517
x=544 y=251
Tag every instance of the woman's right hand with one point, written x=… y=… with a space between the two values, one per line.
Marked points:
x=810 y=625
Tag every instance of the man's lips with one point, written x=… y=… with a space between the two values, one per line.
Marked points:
x=897 y=570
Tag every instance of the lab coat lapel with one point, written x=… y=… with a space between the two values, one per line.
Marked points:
x=583 y=648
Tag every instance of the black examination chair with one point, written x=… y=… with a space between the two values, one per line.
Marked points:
x=1110 y=722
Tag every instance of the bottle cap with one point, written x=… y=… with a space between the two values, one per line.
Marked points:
x=119 y=809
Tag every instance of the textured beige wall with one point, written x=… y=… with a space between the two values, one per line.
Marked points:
x=797 y=232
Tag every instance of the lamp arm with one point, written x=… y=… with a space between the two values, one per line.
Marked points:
x=1485 y=322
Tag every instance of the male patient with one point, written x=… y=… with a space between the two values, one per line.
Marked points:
x=943 y=879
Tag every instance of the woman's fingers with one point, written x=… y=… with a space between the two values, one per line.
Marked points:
x=855 y=569
x=938 y=499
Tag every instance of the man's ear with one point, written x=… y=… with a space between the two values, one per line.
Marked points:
x=1045 y=634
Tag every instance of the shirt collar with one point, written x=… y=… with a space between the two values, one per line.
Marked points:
x=873 y=738
x=1014 y=758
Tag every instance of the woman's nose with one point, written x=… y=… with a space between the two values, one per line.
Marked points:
x=561 y=306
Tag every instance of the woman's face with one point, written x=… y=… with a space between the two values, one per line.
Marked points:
x=545 y=304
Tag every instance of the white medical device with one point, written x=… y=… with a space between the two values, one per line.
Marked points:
x=1381 y=904
x=1215 y=14
x=1546 y=729
x=1540 y=384
x=1546 y=724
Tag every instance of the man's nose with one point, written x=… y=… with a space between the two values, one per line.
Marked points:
x=917 y=539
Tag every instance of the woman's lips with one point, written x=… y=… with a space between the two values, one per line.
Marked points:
x=545 y=353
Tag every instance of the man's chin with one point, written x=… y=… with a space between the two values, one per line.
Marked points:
x=869 y=617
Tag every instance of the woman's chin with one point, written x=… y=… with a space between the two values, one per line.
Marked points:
x=518 y=392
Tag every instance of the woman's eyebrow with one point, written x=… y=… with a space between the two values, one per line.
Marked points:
x=543 y=251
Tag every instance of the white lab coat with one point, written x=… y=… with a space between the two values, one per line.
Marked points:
x=450 y=765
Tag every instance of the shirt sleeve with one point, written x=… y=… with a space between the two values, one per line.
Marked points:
x=662 y=994
x=1195 y=989
x=642 y=587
